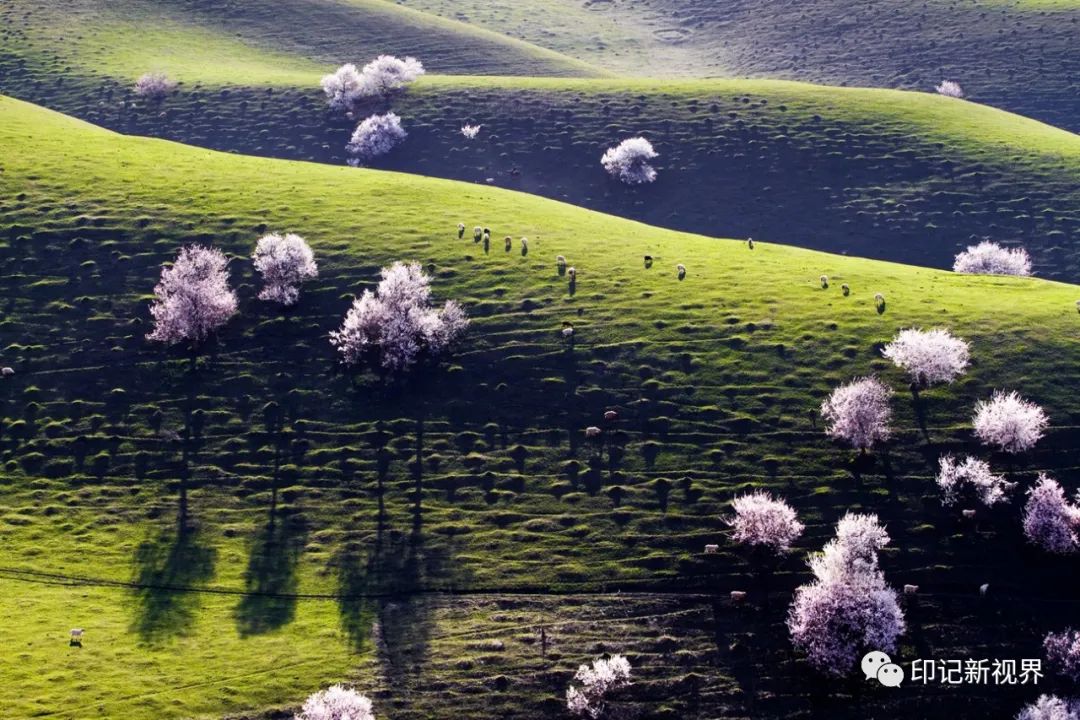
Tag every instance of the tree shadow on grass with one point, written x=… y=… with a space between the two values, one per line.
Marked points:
x=270 y=580
x=168 y=569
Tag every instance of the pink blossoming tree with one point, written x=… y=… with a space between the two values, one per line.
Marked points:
x=1050 y=520
x=1009 y=422
x=848 y=608
x=396 y=325
x=858 y=412
x=285 y=262
x=336 y=703
x=193 y=297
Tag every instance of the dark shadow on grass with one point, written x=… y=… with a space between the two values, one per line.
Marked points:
x=270 y=579
x=167 y=566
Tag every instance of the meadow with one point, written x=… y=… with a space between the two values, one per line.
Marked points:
x=238 y=532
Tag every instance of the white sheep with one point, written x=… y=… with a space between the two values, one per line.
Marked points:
x=750 y=243
x=508 y=242
x=460 y=230
x=592 y=432
x=560 y=261
x=712 y=549
x=824 y=281
x=611 y=416
x=911 y=589
x=681 y=269
x=738 y=596
x=845 y=289
x=879 y=298
x=572 y=273
x=568 y=332
x=76 y=636
x=7 y=372
x=969 y=514
x=984 y=588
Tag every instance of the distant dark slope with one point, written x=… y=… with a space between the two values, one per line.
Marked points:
x=1020 y=55
x=910 y=177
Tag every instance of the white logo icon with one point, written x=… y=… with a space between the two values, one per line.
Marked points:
x=876 y=664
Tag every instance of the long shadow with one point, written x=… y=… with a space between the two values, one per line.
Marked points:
x=270 y=579
x=167 y=566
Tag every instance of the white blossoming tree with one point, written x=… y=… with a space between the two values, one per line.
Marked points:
x=395 y=326
x=1050 y=520
x=336 y=703
x=1009 y=422
x=629 y=161
x=1051 y=707
x=989 y=258
x=974 y=476
x=848 y=609
x=285 y=262
x=928 y=356
x=154 y=85
x=858 y=412
x=762 y=522
x=1063 y=653
x=375 y=136
x=589 y=697
x=193 y=297
x=347 y=86
x=950 y=88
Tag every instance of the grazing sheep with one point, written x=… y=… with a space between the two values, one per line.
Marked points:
x=487 y=237
x=969 y=514
x=712 y=549
x=76 y=636
x=560 y=262
x=477 y=233
x=911 y=589
x=508 y=242
x=879 y=298
x=592 y=432
x=524 y=246
x=750 y=243
x=7 y=372
x=738 y=596
x=460 y=230
x=648 y=262
x=984 y=588
x=824 y=281
x=681 y=269
x=487 y=230
x=845 y=289
x=611 y=416
x=572 y=272
x=568 y=332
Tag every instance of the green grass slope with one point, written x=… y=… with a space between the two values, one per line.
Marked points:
x=233 y=536
x=1019 y=55
x=902 y=176
x=260 y=42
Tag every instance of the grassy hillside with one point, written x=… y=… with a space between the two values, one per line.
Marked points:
x=903 y=176
x=1019 y=55
x=235 y=535
x=259 y=42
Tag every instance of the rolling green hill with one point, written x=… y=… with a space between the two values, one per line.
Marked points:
x=260 y=42
x=234 y=535
x=1019 y=55
x=909 y=177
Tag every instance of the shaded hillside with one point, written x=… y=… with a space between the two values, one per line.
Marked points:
x=908 y=177
x=237 y=534
x=1019 y=55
